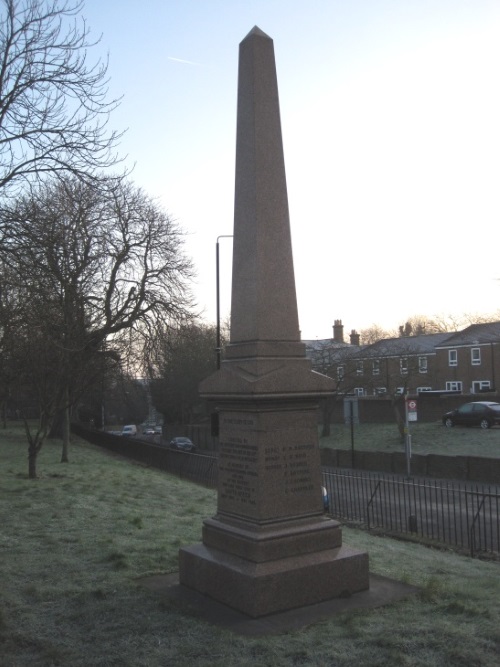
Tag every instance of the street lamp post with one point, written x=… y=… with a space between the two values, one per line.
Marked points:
x=217 y=281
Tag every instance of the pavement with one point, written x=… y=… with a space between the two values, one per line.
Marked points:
x=382 y=591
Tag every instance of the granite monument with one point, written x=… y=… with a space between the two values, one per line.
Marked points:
x=270 y=546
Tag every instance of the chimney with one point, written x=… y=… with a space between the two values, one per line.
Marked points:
x=338 y=331
x=354 y=336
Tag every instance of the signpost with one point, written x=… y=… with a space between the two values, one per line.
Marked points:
x=410 y=416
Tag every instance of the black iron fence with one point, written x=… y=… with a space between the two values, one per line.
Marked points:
x=462 y=514
x=199 y=468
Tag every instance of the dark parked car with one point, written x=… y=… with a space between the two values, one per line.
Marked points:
x=478 y=413
x=184 y=444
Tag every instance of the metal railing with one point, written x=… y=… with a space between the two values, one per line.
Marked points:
x=199 y=468
x=462 y=514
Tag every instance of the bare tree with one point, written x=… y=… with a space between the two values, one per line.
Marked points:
x=35 y=366
x=417 y=325
x=373 y=334
x=54 y=109
x=94 y=262
x=9 y=316
x=336 y=361
x=180 y=358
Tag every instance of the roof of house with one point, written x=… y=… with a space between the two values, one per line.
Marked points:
x=324 y=344
x=329 y=351
x=475 y=334
x=405 y=345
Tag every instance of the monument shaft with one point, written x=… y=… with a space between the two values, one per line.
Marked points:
x=263 y=304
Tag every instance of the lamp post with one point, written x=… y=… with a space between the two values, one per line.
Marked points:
x=217 y=281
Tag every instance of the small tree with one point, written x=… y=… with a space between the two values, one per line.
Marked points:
x=336 y=361
x=39 y=365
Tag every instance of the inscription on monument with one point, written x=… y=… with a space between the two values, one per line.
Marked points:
x=290 y=467
x=266 y=472
x=238 y=459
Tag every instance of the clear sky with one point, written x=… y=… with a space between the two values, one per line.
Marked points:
x=390 y=115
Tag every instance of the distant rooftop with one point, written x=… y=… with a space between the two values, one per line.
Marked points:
x=488 y=332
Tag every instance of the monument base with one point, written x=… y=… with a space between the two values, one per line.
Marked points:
x=262 y=588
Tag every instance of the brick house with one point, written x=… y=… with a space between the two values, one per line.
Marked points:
x=469 y=361
x=397 y=365
x=466 y=362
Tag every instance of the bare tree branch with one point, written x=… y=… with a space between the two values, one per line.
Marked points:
x=54 y=110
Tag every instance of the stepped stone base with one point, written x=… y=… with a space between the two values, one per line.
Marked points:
x=262 y=588
x=275 y=541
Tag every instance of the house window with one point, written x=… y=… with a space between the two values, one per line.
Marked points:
x=400 y=391
x=452 y=358
x=380 y=391
x=480 y=385
x=359 y=391
x=340 y=372
x=403 y=365
x=421 y=390
x=422 y=364
x=376 y=367
x=475 y=356
x=454 y=386
x=359 y=368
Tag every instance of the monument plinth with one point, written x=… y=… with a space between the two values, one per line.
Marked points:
x=270 y=547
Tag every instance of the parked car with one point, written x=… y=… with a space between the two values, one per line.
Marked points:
x=148 y=431
x=478 y=413
x=158 y=430
x=183 y=444
x=129 y=430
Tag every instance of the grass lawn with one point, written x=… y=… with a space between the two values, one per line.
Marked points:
x=74 y=542
x=426 y=438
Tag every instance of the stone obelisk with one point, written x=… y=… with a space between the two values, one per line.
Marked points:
x=270 y=547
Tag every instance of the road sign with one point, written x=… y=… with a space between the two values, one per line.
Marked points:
x=411 y=407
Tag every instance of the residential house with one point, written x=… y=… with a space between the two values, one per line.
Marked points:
x=397 y=365
x=464 y=362
x=325 y=353
x=469 y=360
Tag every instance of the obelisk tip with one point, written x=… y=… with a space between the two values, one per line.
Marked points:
x=256 y=32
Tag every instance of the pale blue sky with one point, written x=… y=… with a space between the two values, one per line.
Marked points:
x=391 y=127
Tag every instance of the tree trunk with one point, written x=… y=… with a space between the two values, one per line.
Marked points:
x=327 y=414
x=57 y=428
x=32 y=456
x=35 y=443
x=65 y=435
x=398 y=405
